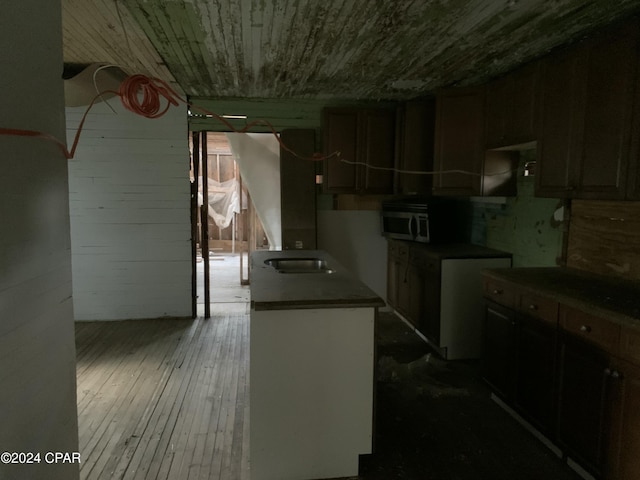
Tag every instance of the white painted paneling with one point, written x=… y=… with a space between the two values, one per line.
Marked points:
x=37 y=345
x=353 y=238
x=312 y=382
x=130 y=214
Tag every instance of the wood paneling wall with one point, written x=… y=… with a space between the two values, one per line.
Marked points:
x=604 y=238
x=37 y=349
x=130 y=214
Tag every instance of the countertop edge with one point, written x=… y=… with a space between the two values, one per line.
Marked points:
x=311 y=305
x=585 y=304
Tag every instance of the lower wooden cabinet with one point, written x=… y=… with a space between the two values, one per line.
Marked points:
x=519 y=363
x=535 y=367
x=624 y=449
x=425 y=283
x=397 y=262
x=572 y=375
x=499 y=350
x=425 y=294
x=583 y=399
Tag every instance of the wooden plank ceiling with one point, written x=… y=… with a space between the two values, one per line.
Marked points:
x=356 y=49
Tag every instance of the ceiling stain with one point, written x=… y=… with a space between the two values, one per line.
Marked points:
x=359 y=49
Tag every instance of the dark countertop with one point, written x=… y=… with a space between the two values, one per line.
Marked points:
x=272 y=290
x=460 y=250
x=452 y=250
x=615 y=299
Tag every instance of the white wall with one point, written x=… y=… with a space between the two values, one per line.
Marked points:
x=353 y=238
x=130 y=214
x=37 y=348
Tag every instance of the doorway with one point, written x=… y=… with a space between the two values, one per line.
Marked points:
x=225 y=226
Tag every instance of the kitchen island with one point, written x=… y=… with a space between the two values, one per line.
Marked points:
x=311 y=367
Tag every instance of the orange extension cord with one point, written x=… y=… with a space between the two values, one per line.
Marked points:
x=149 y=106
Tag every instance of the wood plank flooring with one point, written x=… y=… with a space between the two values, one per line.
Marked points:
x=164 y=399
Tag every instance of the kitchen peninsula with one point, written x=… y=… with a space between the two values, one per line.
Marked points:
x=311 y=366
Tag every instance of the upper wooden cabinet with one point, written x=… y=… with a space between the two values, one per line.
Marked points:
x=586 y=117
x=459 y=142
x=562 y=79
x=633 y=180
x=364 y=136
x=511 y=107
x=464 y=166
x=416 y=133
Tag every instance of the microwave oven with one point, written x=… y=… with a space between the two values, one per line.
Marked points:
x=428 y=220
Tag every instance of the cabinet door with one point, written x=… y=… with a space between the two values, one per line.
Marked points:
x=340 y=135
x=416 y=148
x=499 y=93
x=535 y=391
x=404 y=292
x=582 y=404
x=624 y=458
x=425 y=297
x=633 y=183
x=498 y=355
x=560 y=132
x=378 y=151
x=459 y=143
x=397 y=292
x=511 y=108
x=607 y=120
x=393 y=273
x=522 y=109
x=398 y=277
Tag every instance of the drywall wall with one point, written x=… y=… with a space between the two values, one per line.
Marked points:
x=37 y=347
x=130 y=214
x=353 y=238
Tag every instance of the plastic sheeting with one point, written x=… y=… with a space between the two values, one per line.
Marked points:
x=223 y=201
x=258 y=158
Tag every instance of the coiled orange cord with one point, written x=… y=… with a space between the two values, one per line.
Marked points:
x=149 y=106
x=152 y=89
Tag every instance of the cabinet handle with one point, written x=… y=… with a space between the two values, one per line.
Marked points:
x=615 y=374
x=533 y=307
x=585 y=329
x=497 y=292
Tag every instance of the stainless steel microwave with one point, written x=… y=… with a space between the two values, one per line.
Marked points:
x=420 y=220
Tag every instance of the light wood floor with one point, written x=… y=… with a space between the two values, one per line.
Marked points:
x=166 y=399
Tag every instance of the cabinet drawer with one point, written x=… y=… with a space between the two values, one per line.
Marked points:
x=597 y=330
x=630 y=345
x=540 y=307
x=423 y=260
x=500 y=292
x=398 y=250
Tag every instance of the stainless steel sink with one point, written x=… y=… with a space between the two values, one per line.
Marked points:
x=299 y=265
